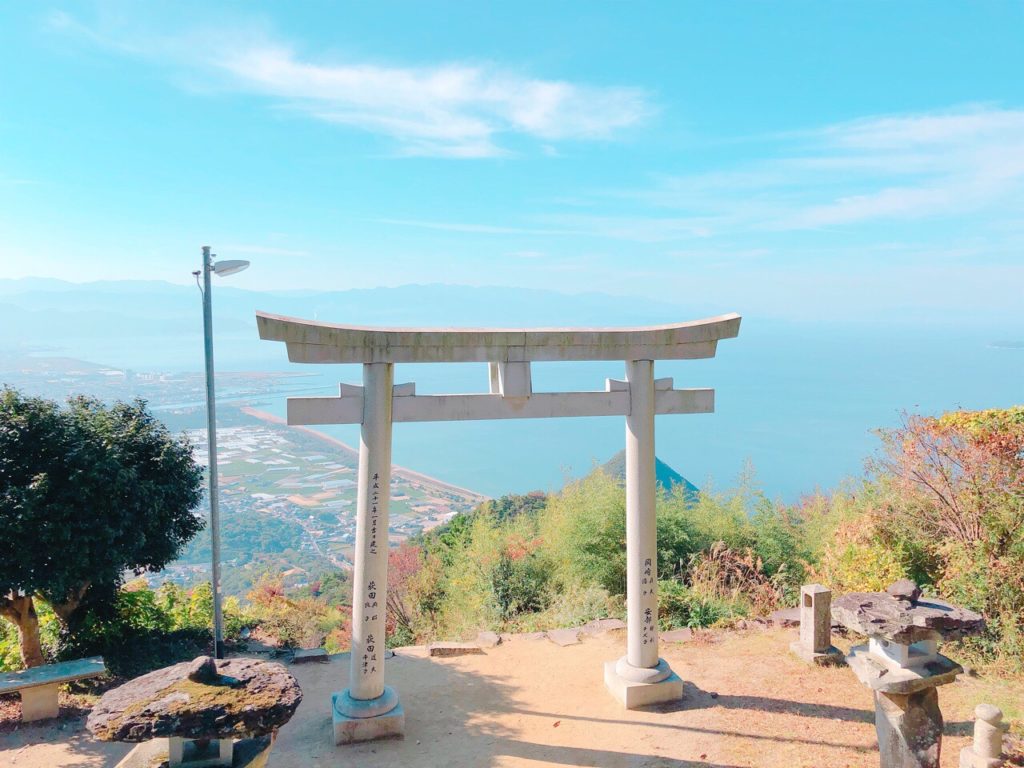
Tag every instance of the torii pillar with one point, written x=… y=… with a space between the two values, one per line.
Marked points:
x=368 y=709
x=641 y=677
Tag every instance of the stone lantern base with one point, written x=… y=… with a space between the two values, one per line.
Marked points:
x=245 y=753
x=832 y=657
x=907 y=716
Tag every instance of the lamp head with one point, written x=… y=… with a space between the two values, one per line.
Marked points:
x=229 y=267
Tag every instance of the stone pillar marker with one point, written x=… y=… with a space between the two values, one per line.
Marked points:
x=641 y=678
x=987 y=749
x=815 y=644
x=368 y=709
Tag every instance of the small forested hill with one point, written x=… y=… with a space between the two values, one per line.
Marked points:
x=664 y=474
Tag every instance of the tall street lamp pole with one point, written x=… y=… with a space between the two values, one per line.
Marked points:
x=223 y=268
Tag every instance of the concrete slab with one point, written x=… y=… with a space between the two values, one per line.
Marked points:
x=39 y=702
x=832 y=657
x=50 y=674
x=453 y=649
x=600 y=626
x=564 y=637
x=307 y=655
x=488 y=639
x=677 y=635
x=785 y=617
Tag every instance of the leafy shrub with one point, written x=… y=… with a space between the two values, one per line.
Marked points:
x=293 y=622
x=860 y=557
x=995 y=588
x=583 y=530
x=519 y=585
x=576 y=606
x=679 y=606
x=136 y=632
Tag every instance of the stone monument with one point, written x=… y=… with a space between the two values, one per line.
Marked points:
x=987 y=749
x=815 y=643
x=199 y=713
x=902 y=666
x=368 y=709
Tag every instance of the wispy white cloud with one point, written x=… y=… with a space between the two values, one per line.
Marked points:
x=905 y=167
x=13 y=181
x=645 y=229
x=445 y=109
x=484 y=229
x=453 y=110
x=955 y=165
x=638 y=228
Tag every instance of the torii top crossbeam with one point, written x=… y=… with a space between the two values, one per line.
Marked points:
x=314 y=342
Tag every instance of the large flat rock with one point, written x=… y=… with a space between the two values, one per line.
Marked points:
x=683 y=635
x=244 y=698
x=878 y=614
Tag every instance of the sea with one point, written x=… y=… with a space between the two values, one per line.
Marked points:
x=798 y=403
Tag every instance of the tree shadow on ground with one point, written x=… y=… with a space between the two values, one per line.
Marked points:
x=69 y=730
x=695 y=696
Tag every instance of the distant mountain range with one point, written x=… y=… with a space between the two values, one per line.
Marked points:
x=665 y=476
x=122 y=323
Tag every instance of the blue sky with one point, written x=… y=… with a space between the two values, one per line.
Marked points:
x=796 y=160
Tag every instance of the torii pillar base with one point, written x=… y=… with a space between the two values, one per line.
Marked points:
x=349 y=728
x=633 y=694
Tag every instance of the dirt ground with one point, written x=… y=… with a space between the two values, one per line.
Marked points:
x=530 y=703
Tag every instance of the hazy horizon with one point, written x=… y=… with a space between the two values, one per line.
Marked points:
x=798 y=399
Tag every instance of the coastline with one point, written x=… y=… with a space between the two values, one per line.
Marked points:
x=408 y=474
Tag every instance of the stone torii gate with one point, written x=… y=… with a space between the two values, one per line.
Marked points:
x=368 y=709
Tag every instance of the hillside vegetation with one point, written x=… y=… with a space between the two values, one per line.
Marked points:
x=942 y=503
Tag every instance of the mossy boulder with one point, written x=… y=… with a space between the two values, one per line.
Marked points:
x=245 y=698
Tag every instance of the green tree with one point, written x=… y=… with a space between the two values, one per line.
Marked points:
x=87 y=493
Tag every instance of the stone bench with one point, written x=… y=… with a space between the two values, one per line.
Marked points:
x=38 y=686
